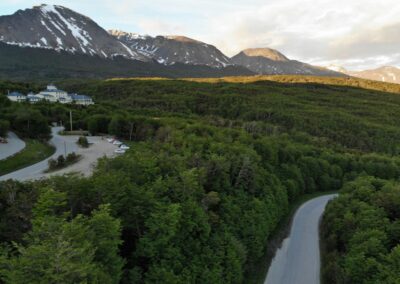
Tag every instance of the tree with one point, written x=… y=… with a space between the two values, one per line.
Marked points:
x=4 y=127
x=61 y=250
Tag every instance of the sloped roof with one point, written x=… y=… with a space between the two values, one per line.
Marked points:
x=15 y=94
x=80 y=97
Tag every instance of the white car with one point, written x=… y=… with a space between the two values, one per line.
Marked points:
x=119 y=151
x=124 y=147
x=118 y=143
x=110 y=140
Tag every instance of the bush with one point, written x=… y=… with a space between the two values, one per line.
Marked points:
x=52 y=164
x=71 y=158
x=83 y=142
x=60 y=161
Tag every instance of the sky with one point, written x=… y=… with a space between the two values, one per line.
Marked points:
x=355 y=34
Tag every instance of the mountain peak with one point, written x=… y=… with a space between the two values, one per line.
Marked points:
x=169 y=50
x=61 y=29
x=182 y=39
x=269 y=53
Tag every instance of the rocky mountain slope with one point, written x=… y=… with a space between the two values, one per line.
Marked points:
x=59 y=28
x=385 y=74
x=268 y=61
x=21 y=63
x=169 y=50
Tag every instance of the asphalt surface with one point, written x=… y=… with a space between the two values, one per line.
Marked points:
x=11 y=148
x=298 y=260
x=63 y=146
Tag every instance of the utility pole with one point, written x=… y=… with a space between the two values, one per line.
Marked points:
x=70 y=119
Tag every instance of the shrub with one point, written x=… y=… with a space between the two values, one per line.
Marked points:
x=71 y=158
x=83 y=142
x=60 y=161
x=52 y=164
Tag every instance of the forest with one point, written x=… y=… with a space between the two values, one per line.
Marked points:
x=361 y=232
x=213 y=168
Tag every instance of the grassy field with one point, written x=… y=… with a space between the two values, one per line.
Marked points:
x=34 y=152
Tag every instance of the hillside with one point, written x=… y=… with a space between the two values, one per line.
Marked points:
x=169 y=50
x=267 y=61
x=214 y=168
x=18 y=63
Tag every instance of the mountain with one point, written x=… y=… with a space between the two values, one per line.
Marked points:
x=54 y=41
x=268 y=61
x=169 y=50
x=337 y=68
x=385 y=74
x=21 y=63
x=59 y=28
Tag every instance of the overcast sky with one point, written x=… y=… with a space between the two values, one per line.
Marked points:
x=356 y=34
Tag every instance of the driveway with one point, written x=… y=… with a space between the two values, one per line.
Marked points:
x=11 y=148
x=65 y=145
x=298 y=260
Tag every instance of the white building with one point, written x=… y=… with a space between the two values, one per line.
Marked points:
x=82 y=99
x=52 y=94
x=32 y=98
x=16 y=97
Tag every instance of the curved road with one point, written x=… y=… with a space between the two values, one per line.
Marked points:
x=298 y=260
x=63 y=146
x=11 y=148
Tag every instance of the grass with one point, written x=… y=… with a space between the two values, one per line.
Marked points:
x=256 y=274
x=33 y=153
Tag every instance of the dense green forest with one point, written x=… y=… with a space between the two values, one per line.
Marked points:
x=213 y=168
x=361 y=231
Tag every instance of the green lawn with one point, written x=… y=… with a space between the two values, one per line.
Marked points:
x=34 y=152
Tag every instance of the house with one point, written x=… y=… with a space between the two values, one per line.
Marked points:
x=16 y=97
x=81 y=99
x=52 y=94
x=32 y=98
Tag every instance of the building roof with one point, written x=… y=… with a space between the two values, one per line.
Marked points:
x=77 y=97
x=33 y=97
x=15 y=94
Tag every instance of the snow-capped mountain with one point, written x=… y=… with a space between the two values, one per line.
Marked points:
x=59 y=28
x=169 y=50
x=270 y=62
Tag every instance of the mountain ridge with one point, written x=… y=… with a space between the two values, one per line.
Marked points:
x=389 y=74
x=54 y=27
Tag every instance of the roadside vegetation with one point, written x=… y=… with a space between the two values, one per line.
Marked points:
x=34 y=152
x=213 y=171
x=62 y=162
x=361 y=233
x=83 y=142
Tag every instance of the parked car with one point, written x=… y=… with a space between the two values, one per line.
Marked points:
x=110 y=140
x=3 y=140
x=124 y=147
x=118 y=143
x=119 y=151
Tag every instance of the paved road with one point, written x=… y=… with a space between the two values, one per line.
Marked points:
x=35 y=171
x=11 y=148
x=298 y=260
